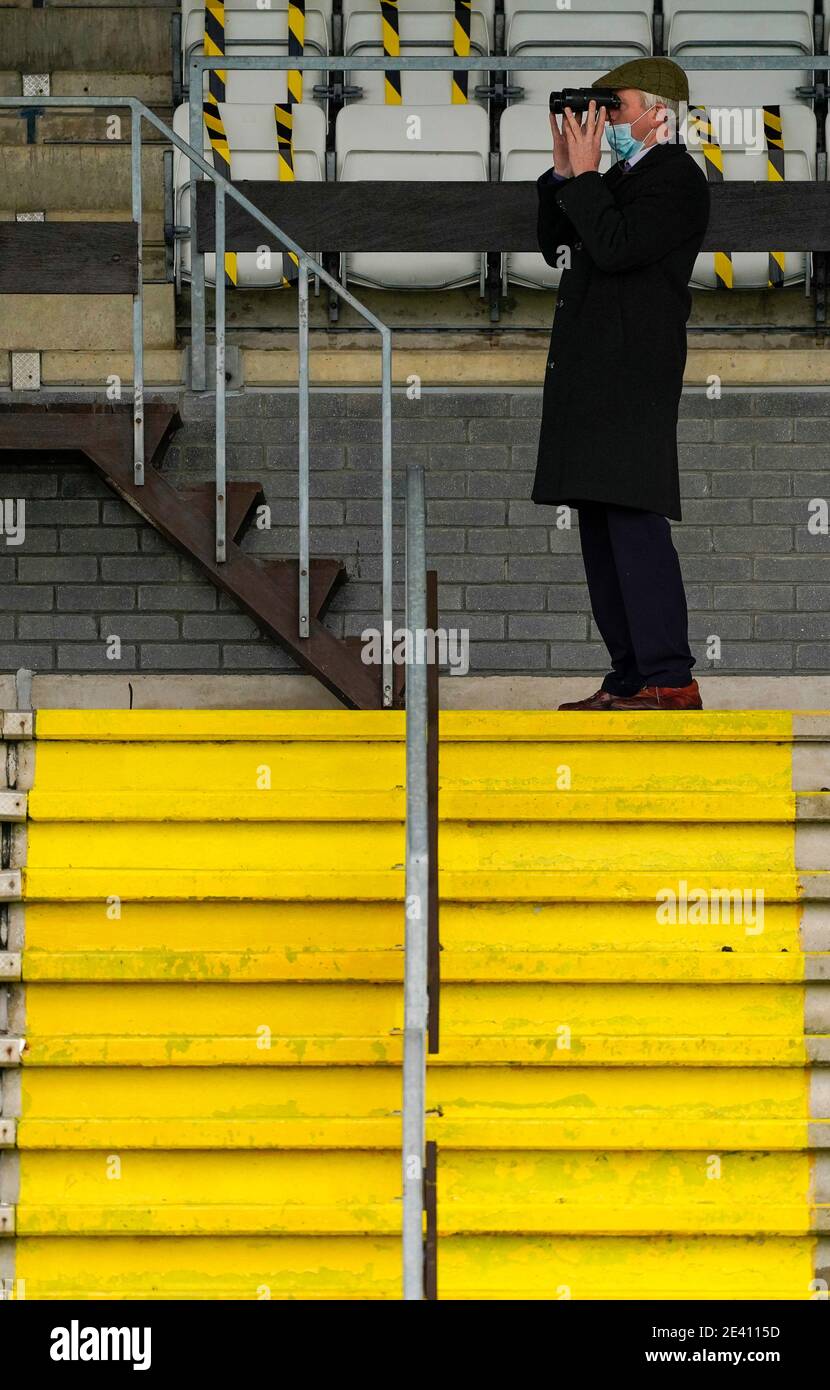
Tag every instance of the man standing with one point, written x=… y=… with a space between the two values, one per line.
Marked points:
x=608 y=442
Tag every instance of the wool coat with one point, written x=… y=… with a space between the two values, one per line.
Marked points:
x=618 y=346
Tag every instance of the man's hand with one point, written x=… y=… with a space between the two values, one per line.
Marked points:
x=584 y=142
x=561 y=159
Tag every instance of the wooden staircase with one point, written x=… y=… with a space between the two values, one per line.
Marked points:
x=267 y=590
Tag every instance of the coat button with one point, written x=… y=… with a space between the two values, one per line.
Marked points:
x=551 y=363
x=577 y=246
x=560 y=304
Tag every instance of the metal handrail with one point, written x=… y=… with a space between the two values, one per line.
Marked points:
x=731 y=62
x=417 y=898
x=306 y=262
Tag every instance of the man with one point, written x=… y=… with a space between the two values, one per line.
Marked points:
x=608 y=442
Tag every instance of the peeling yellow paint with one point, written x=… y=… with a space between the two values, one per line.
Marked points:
x=233 y=1032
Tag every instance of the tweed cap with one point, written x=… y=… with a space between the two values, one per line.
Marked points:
x=658 y=75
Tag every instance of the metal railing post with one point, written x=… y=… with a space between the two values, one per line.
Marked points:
x=198 y=371
x=302 y=405
x=417 y=890
x=221 y=474
x=138 y=298
x=386 y=504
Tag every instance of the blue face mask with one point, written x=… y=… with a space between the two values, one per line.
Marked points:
x=622 y=142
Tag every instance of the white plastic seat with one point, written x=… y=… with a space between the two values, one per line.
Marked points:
x=801 y=10
x=425 y=28
x=374 y=143
x=745 y=160
x=483 y=12
x=524 y=138
x=252 y=139
x=536 y=28
x=251 y=31
x=695 y=28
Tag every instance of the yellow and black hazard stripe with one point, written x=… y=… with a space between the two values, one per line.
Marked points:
x=284 y=118
x=214 y=125
x=461 y=49
x=713 y=158
x=296 y=46
x=390 y=28
x=392 y=49
x=774 y=137
x=215 y=45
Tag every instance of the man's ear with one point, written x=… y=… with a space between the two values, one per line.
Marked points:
x=662 y=125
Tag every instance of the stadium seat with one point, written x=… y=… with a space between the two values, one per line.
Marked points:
x=375 y=143
x=425 y=27
x=250 y=30
x=525 y=144
x=536 y=28
x=694 y=28
x=526 y=152
x=251 y=133
x=745 y=160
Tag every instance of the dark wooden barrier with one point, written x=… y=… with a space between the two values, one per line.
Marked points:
x=68 y=257
x=398 y=216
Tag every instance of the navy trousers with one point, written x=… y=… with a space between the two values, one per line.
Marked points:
x=637 y=596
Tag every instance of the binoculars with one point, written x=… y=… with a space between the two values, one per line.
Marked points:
x=578 y=98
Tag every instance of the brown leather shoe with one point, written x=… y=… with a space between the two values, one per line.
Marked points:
x=661 y=697
x=601 y=699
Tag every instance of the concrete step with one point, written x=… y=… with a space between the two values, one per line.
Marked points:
x=162 y=367
x=69 y=178
x=598 y=1064
x=91 y=323
x=95 y=126
x=72 y=38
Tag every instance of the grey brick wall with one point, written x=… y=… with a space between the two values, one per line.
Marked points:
x=756 y=577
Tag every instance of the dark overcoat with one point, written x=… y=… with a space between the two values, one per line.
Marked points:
x=618 y=346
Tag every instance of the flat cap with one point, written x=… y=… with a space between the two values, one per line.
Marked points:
x=658 y=75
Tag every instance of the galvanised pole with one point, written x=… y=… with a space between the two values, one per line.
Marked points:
x=302 y=404
x=138 y=299
x=417 y=891
x=221 y=464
